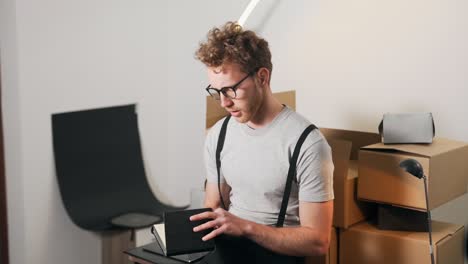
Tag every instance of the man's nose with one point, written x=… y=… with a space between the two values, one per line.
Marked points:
x=225 y=101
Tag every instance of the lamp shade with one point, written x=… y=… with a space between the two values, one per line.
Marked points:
x=413 y=167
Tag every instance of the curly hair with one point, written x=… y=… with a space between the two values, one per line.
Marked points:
x=232 y=44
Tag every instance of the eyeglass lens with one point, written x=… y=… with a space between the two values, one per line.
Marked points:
x=227 y=91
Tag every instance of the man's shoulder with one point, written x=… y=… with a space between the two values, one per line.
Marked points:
x=213 y=132
x=297 y=118
x=296 y=123
x=216 y=128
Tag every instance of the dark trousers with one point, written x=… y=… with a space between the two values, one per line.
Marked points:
x=230 y=250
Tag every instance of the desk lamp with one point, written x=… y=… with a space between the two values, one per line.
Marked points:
x=414 y=168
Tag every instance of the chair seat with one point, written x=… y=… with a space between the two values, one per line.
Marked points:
x=135 y=220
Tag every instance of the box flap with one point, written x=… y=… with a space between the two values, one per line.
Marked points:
x=438 y=146
x=353 y=168
x=440 y=230
x=341 y=149
x=451 y=249
x=357 y=138
x=452 y=230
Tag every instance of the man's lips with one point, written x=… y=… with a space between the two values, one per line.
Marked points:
x=234 y=113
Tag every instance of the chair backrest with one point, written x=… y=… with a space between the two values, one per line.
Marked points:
x=99 y=166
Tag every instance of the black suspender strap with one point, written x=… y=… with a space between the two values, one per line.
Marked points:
x=291 y=174
x=219 y=148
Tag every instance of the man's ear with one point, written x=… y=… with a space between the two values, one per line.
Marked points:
x=263 y=76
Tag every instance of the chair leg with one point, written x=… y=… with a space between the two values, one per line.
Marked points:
x=113 y=245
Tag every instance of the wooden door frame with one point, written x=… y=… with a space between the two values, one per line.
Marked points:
x=3 y=202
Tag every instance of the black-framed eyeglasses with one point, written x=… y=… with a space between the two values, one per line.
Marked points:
x=228 y=91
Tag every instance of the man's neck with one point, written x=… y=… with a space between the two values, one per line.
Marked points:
x=267 y=112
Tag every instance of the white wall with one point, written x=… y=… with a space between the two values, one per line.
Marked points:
x=12 y=126
x=348 y=60
x=189 y=22
x=67 y=55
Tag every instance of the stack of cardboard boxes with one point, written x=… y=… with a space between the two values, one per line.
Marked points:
x=348 y=210
x=383 y=187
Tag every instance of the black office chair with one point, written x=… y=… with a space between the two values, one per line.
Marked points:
x=100 y=169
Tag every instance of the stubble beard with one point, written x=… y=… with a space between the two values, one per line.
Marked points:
x=253 y=107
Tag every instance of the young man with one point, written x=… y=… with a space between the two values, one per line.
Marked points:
x=260 y=140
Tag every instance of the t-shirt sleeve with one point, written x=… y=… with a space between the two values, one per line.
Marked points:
x=315 y=170
x=211 y=141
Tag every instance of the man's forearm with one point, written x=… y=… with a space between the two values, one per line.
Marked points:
x=295 y=241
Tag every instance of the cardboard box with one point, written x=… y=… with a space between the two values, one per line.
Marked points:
x=365 y=244
x=331 y=257
x=215 y=112
x=345 y=145
x=382 y=180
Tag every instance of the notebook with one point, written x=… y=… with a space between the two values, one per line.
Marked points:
x=188 y=258
x=176 y=237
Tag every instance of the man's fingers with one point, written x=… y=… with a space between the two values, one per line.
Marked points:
x=203 y=215
x=214 y=233
x=207 y=225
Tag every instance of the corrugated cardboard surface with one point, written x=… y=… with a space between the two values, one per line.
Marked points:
x=347 y=210
x=340 y=154
x=215 y=112
x=382 y=180
x=438 y=146
x=365 y=244
x=331 y=257
x=355 y=211
x=357 y=138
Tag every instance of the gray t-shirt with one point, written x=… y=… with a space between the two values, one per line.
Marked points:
x=255 y=163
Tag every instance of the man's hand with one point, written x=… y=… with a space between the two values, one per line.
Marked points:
x=222 y=222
